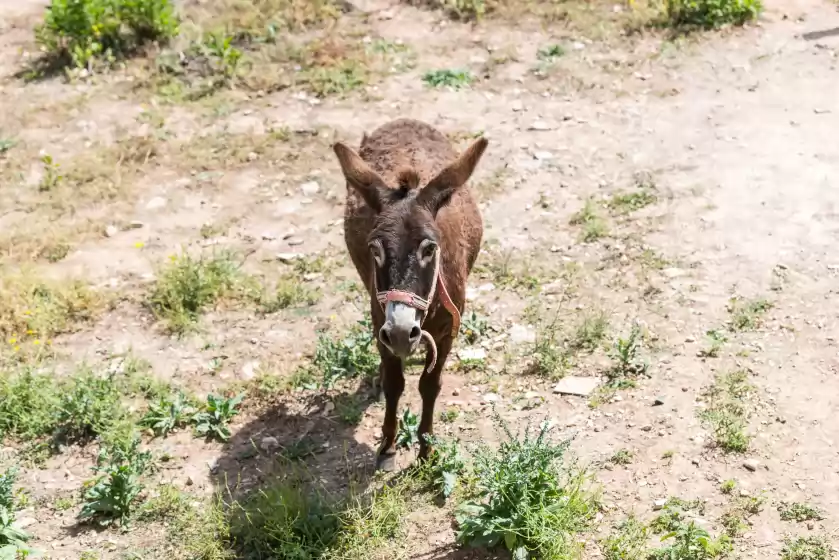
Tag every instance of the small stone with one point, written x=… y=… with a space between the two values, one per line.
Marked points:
x=189 y=481
x=646 y=428
x=213 y=466
x=111 y=231
x=659 y=401
x=690 y=339
x=579 y=386
x=252 y=156
x=294 y=242
x=472 y=354
x=156 y=203
x=658 y=504
x=455 y=392
x=310 y=189
x=531 y=395
x=288 y=258
x=539 y=126
x=491 y=397
x=136 y=224
x=268 y=236
x=751 y=464
x=543 y=156
x=672 y=272
x=662 y=433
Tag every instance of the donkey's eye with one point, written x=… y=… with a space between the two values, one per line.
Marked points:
x=378 y=253
x=425 y=252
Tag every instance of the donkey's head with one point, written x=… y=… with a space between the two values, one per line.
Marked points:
x=405 y=241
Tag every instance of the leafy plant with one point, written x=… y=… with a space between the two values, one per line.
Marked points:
x=212 y=422
x=550 y=52
x=89 y=407
x=408 y=433
x=454 y=79
x=674 y=513
x=622 y=457
x=594 y=226
x=12 y=540
x=727 y=486
x=445 y=465
x=111 y=496
x=590 y=332
x=716 y=340
x=353 y=356
x=726 y=412
x=628 y=202
x=7 y=481
x=6 y=144
x=799 y=512
x=528 y=499
x=627 y=364
x=52 y=174
x=691 y=542
x=747 y=315
x=473 y=327
x=167 y=414
x=78 y=32
x=628 y=543
x=290 y=292
x=807 y=548
x=711 y=14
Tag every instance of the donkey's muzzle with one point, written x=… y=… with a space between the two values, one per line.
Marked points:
x=402 y=330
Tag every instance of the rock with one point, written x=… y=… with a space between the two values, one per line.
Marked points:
x=455 y=392
x=531 y=395
x=136 y=224
x=659 y=401
x=310 y=189
x=521 y=334
x=488 y=287
x=751 y=464
x=646 y=428
x=269 y=443
x=189 y=481
x=491 y=397
x=213 y=465
x=268 y=236
x=328 y=408
x=288 y=258
x=156 y=203
x=111 y=231
x=580 y=386
x=658 y=504
x=249 y=370
x=539 y=126
x=472 y=354
x=252 y=156
x=294 y=242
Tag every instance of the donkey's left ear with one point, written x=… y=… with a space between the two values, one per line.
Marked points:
x=440 y=189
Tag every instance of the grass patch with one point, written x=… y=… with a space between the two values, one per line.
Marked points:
x=550 y=357
x=711 y=14
x=187 y=285
x=675 y=513
x=291 y=291
x=83 y=32
x=735 y=520
x=726 y=413
x=474 y=327
x=463 y=10
x=351 y=357
x=747 y=315
x=799 y=512
x=627 y=364
x=593 y=225
x=691 y=542
x=727 y=487
x=716 y=340
x=807 y=548
x=622 y=457
x=12 y=540
x=167 y=414
x=529 y=498
x=628 y=542
x=445 y=467
x=263 y=19
x=626 y=203
x=350 y=409
x=591 y=332
x=452 y=79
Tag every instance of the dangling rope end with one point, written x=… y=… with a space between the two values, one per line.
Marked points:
x=432 y=347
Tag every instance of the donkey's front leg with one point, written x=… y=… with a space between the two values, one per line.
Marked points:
x=429 y=387
x=393 y=383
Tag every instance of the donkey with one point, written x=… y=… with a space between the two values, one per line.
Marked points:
x=413 y=232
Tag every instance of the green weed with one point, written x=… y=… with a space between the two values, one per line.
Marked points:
x=550 y=52
x=89 y=407
x=735 y=519
x=167 y=414
x=51 y=174
x=461 y=9
x=691 y=542
x=291 y=291
x=622 y=457
x=626 y=203
x=799 y=512
x=807 y=548
x=716 y=340
x=212 y=422
x=111 y=496
x=528 y=498
x=453 y=79
x=549 y=356
x=591 y=331
x=79 y=32
x=474 y=327
x=629 y=543
x=350 y=409
x=710 y=14
x=449 y=415
x=12 y=540
x=7 y=144
x=728 y=486
x=407 y=435
x=627 y=365
x=726 y=412
x=747 y=315
x=593 y=225
x=353 y=356
x=187 y=285
x=674 y=514
x=445 y=465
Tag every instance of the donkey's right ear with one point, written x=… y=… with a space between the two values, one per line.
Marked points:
x=361 y=177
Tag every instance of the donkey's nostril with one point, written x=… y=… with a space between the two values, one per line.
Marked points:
x=415 y=334
x=384 y=336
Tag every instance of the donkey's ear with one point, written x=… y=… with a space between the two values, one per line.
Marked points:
x=440 y=189
x=361 y=177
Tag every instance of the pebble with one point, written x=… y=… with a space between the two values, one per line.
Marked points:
x=310 y=189
x=659 y=401
x=646 y=428
x=455 y=392
x=491 y=397
x=658 y=504
x=111 y=231
x=155 y=203
x=294 y=242
x=751 y=464
x=288 y=258
x=540 y=126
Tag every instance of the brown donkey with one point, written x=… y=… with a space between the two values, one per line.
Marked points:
x=413 y=247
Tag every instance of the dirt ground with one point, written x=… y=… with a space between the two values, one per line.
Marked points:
x=736 y=130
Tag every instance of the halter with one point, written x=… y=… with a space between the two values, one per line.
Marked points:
x=423 y=304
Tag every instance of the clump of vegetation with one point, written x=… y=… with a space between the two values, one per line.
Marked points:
x=628 y=543
x=79 y=32
x=444 y=466
x=736 y=519
x=627 y=364
x=51 y=176
x=674 y=514
x=628 y=202
x=213 y=421
x=622 y=457
x=691 y=542
x=799 y=512
x=593 y=225
x=350 y=408
x=807 y=548
x=716 y=340
x=187 y=285
x=549 y=356
x=291 y=291
x=747 y=315
x=550 y=52
x=710 y=14
x=460 y=9
x=112 y=496
x=12 y=540
x=167 y=414
x=726 y=412
x=454 y=79
x=590 y=332
x=529 y=499
x=728 y=486
x=474 y=327
x=89 y=407
x=351 y=357
x=407 y=435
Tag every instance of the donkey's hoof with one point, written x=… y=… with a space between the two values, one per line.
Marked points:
x=386 y=462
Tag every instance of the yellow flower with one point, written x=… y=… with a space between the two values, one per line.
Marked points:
x=173 y=258
x=139 y=245
x=27 y=312
x=16 y=348
x=49 y=342
x=30 y=331
x=12 y=340
x=36 y=342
